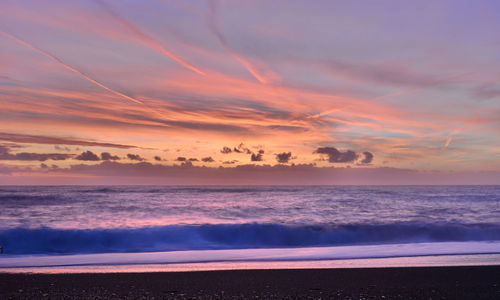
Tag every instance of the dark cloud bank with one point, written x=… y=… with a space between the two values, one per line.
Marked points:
x=5 y=154
x=110 y=172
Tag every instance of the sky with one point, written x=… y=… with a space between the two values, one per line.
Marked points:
x=249 y=92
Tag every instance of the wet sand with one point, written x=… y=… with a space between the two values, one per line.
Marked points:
x=383 y=283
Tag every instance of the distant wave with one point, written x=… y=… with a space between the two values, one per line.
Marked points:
x=191 y=189
x=234 y=236
x=22 y=200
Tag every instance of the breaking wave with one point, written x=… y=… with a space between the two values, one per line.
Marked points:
x=234 y=236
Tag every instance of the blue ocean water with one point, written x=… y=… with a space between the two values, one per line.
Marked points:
x=83 y=219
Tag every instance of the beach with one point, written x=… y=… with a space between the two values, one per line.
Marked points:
x=375 y=283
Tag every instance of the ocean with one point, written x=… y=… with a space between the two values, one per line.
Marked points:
x=234 y=226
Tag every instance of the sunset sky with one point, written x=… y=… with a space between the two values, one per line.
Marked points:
x=249 y=92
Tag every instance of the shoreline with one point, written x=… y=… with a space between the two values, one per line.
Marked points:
x=449 y=260
x=452 y=282
x=365 y=256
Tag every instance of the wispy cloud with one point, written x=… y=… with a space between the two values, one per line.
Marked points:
x=38 y=139
x=317 y=77
x=430 y=84
x=264 y=76
x=147 y=38
x=449 y=138
x=420 y=85
x=73 y=69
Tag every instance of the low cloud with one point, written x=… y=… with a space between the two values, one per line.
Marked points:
x=257 y=156
x=109 y=156
x=135 y=157
x=226 y=150
x=229 y=162
x=193 y=159
x=207 y=159
x=46 y=167
x=242 y=149
x=187 y=164
x=336 y=156
x=5 y=154
x=157 y=158
x=368 y=157
x=88 y=156
x=348 y=156
x=284 y=157
x=181 y=158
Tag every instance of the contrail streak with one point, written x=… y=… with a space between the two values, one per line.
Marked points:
x=403 y=92
x=148 y=39
x=251 y=68
x=448 y=141
x=62 y=63
x=450 y=137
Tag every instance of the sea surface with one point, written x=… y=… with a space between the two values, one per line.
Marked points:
x=47 y=226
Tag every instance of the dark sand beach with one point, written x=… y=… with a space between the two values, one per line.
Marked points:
x=482 y=282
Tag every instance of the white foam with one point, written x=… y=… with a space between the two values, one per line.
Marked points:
x=252 y=255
